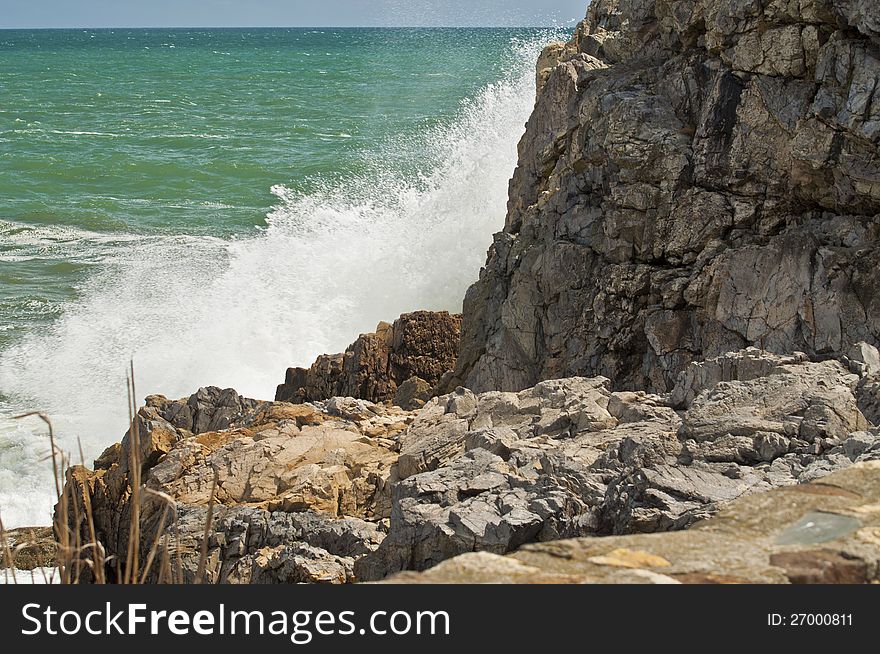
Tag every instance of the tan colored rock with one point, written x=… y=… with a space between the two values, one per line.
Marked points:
x=30 y=548
x=330 y=464
x=412 y=394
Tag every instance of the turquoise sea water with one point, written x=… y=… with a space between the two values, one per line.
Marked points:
x=220 y=204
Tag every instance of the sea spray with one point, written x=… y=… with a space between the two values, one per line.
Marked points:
x=193 y=311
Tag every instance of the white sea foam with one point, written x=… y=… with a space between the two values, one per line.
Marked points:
x=194 y=311
x=36 y=577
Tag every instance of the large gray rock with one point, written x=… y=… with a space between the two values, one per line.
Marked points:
x=697 y=177
x=863 y=359
x=823 y=533
x=868 y=394
x=569 y=458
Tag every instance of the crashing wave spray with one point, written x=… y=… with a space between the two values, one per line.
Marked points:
x=197 y=311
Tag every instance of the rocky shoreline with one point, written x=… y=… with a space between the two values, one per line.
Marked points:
x=676 y=330
x=346 y=490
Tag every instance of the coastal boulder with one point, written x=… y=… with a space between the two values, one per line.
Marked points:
x=298 y=491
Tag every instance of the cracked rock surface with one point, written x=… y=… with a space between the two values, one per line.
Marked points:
x=697 y=177
x=821 y=533
x=680 y=318
x=346 y=490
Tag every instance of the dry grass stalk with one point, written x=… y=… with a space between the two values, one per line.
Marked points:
x=74 y=557
x=132 y=563
x=203 y=554
x=8 y=555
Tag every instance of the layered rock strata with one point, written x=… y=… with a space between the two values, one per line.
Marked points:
x=409 y=357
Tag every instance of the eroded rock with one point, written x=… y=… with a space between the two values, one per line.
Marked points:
x=748 y=542
x=346 y=490
x=490 y=472
x=418 y=346
x=299 y=490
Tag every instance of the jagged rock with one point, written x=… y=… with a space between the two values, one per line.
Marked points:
x=420 y=345
x=296 y=564
x=300 y=489
x=492 y=471
x=697 y=177
x=863 y=360
x=823 y=533
x=346 y=490
x=252 y=545
x=868 y=395
x=808 y=401
x=413 y=394
x=743 y=366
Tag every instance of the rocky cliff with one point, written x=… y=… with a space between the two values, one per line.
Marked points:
x=698 y=176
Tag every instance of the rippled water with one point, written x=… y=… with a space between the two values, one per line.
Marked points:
x=218 y=205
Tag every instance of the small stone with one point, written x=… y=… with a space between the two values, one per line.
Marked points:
x=866 y=359
x=820 y=567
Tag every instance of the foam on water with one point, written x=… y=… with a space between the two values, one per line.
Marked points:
x=197 y=311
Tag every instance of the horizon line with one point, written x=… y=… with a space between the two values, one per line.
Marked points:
x=280 y=27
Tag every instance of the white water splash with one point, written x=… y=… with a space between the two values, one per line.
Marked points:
x=199 y=311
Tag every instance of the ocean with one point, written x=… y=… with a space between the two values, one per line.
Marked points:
x=218 y=205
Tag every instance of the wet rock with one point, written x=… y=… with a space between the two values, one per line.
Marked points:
x=30 y=548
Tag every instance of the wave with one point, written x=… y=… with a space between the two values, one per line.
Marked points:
x=410 y=233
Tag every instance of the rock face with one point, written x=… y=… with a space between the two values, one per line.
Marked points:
x=418 y=349
x=697 y=177
x=679 y=318
x=827 y=533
